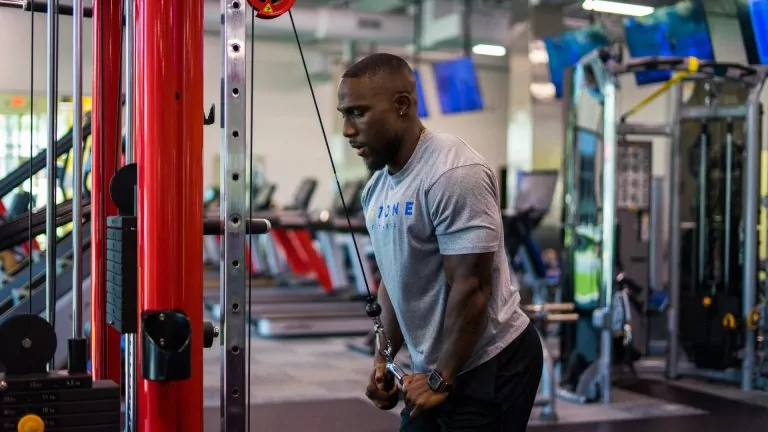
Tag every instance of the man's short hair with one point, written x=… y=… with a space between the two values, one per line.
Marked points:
x=378 y=64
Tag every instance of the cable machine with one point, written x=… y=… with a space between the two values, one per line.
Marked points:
x=599 y=71
x=146 y=227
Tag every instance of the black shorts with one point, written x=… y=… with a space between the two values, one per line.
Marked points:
x=497 y=395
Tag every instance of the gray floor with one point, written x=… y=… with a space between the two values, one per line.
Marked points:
x=325 y=369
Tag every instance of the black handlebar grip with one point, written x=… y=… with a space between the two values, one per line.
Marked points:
x=389 y=384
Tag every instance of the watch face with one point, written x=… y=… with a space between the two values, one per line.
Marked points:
x=434 y=380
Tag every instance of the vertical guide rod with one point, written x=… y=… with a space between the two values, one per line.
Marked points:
x=701 y=222
x=673 y=212
x=130 y=339
x=609 y=233
x=656 y=238
x=752 y=174
x=50 y=207
x=728 y=202
x=234 y=384
x=466 y=27
x=77 y=180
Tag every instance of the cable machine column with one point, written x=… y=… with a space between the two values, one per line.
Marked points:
x=609 y=233
x=752 y=190
x=105 y=340
x=168 y=65
x=233 y=205
x=673 y=221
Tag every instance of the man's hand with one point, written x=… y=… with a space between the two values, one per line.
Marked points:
x=419 y=396
x=377 y=391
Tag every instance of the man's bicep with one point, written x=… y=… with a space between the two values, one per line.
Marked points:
x=465 y=211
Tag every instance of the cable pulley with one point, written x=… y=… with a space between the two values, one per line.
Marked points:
x=270 y=9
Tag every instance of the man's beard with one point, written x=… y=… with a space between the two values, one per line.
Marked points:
x=386 y=155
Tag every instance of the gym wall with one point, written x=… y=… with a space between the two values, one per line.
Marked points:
x=288 y=137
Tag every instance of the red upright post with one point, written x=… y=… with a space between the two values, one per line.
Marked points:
x=169 y=144
x=105 y=341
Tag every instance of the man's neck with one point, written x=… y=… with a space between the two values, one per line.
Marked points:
x=410 y=142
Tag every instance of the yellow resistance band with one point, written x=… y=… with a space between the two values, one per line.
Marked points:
x=693 y=67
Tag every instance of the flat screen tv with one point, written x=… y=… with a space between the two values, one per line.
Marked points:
x=753 y=19
x=457 y=86
x=679 y=30
x=567 y=49
x=421 y=101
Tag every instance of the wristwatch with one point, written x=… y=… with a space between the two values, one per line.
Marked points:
x=437 y=383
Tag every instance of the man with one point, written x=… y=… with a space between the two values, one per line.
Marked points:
x=432 y=212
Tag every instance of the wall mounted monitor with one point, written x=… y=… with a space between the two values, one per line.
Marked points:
x=753 y=19
x=421 y=100
x=457 y=86
x=567 y=49
x=679 y=30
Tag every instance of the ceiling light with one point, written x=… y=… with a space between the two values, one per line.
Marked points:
x=489 y=50
x=617 y=8
x=538 y=56
x=542 y=91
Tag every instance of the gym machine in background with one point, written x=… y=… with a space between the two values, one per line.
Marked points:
x=598 y=72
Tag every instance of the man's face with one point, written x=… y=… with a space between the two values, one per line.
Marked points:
x=371 y=120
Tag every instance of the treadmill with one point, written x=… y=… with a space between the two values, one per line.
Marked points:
x=301 y=294
x=273 y=286
x=325 y=314
x=303 y=290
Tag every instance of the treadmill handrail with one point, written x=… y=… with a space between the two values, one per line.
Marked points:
x=63 y=285
x=17 y=231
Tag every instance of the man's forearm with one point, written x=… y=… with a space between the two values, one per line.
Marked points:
x=390 y=323
x=465 y=320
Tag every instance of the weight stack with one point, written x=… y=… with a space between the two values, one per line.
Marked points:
x=62 y=401
x=122 y=278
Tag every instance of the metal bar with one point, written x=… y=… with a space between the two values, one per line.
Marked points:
x=643 y=129
x=466 y=28
x=105 y=341
x=656 y=238
x=77 y=181
x=570 y=200
x=752 y=190
x=701 y=220
x=131 y=355
x=609 y=234
x=167 y=60
x=673 y=256
x=50 y=226
x=713 y=112
x=234 y=383
x=728 y=204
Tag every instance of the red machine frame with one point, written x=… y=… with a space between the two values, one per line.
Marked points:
x=169 y=152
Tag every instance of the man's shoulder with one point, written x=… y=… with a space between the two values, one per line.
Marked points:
x=449 y=152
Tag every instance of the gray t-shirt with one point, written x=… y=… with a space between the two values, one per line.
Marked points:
x=445 y=201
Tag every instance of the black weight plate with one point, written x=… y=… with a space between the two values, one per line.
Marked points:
x=27 y=343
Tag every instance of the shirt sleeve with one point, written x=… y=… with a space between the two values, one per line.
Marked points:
x=464 y=207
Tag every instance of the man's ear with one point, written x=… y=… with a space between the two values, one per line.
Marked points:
x=403 y=103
